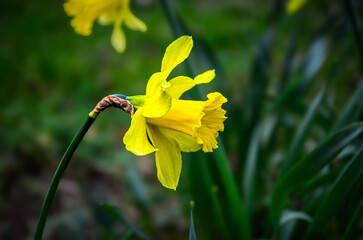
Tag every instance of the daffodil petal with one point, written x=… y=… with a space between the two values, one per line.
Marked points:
x=118 y=38
x=212 y=122
x=157 y=100
x=205 y=77
x=135 y=139
x=82 y=26
x=133 y=22
x=176 y=53
x=294 y=6
x=168 y=158
x=81 y=23
x=181 y=84
x=84 y=13
x=108 y=17
x=186 y=143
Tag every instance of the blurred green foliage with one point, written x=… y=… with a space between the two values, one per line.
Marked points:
x=293 y=84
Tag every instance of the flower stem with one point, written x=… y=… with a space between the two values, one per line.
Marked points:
x=117 y=100
x=58 y=175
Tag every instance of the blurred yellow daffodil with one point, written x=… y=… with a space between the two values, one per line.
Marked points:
x=166 y=124
x=294 y=6
x=85 y=12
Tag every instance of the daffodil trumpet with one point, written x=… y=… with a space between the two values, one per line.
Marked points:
x=168 y=125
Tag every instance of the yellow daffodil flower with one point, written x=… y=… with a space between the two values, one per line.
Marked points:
x=294 y=6
x=85 y=12
x=168 y=125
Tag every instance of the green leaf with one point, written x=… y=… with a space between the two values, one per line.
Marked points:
x=250 y=172
x=136 y=185
x=320 y=181
x=354 y=220
x=205 y=198
x=352 y=110
x=289 y=215
x=338 y=193
x=234 y=209
x=288 y=222
x=309 y=166
x=192 y=235
x=311 y=65
x=302 y=132
x=115 y=213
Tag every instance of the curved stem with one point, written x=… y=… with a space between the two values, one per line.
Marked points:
x=117 y=100
x=58 y=175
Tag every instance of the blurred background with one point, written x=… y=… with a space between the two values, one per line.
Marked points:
x=288 y=78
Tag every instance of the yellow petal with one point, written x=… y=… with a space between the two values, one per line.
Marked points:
x=157 y=100
x=212 y=122
x=133 y=22
x=86 y=12
x=82 y=26
x=176 y=53
x=118 y=38
x=135 y=139
x=186 y=143
x=108 y=17
x=295 y=5
x=205 y=77
x=168 y=158
x=181 y=84
x=82 y=23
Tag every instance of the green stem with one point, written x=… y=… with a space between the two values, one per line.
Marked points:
x=58 y=175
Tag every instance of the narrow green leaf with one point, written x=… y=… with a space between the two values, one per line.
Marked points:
x=249 y=176
x=289 y=215
x=352 y=110
x=259 y=77
x=309 y=166
x=315 y=58
x=127 y=236
x=115 y=213
x=235 y=209
x=206 y=200
x=286 y=94
x=289 y=59
x=354 y=220
x=338 y=193
x=192 y=235
x=288 y=223
x=254 y=95
x=300 y=82
x=320 y=181
x=302 y=132
x=136 y=185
